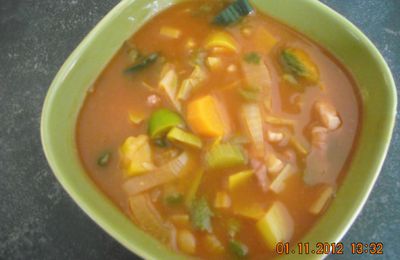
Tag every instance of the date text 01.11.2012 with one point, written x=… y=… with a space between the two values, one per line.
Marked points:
x=325 y=248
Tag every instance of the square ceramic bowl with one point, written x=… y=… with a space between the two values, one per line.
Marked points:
x=312 y=18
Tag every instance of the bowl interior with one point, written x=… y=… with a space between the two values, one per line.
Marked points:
x=312 y=18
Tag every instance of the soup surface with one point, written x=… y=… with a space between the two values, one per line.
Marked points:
x=220 y=131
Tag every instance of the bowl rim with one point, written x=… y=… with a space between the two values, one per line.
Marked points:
x=108 y=227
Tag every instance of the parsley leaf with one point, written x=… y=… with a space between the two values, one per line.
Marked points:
x=252 y=57
x=200 y=215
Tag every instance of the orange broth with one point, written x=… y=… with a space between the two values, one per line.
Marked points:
x=104 y=125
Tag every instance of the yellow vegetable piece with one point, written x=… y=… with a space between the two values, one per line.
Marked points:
x=190 y=44
x=180 y=220
x=186 y=241
x=214 y=63
x=252 y=211
x=204 y=118
x=180 y=136
x=264 y=41
x=222 y=200
x=170 y=32
x=276 y=225
x=239 y=179
x=136 y=157
x=221 y=40
x=136 y=118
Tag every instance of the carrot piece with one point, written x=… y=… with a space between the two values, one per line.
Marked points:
x=204 y=118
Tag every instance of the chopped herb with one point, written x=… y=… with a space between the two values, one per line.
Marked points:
x=233 y=226
x=104 y=159
x=238 y=249
x=174 y=199
x=252 y=57
x=200 y=215
x=249 y=94
x=233 y=13
x=143 y=63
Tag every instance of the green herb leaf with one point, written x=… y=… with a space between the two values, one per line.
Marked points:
x=143 y=63
x=233 y=13
x=252 y=57
x=174 y=199
x=238 y=249
x=104 y=159
x=200 y=215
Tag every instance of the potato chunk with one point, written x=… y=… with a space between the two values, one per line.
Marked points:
x=276 y=225
x=136 y=156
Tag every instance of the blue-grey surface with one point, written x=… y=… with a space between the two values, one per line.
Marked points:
x=37 y=218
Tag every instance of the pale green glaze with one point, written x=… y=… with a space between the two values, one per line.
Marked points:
x=312 y=18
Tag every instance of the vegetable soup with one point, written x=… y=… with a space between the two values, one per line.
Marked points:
x=220 y=131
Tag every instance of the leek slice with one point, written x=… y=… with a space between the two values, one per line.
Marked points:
x=178 y=135
x=190 y=84
x=238 y=179
x=169 y=83
x=253 y=122
x=225 y=156
x=161 y=121
x=233 y=13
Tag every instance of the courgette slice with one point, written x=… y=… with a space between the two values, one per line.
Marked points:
x=233 y=13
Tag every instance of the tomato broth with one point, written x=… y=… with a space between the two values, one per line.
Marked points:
x=220 y=135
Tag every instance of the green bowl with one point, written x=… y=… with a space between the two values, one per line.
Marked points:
x=314 y=19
